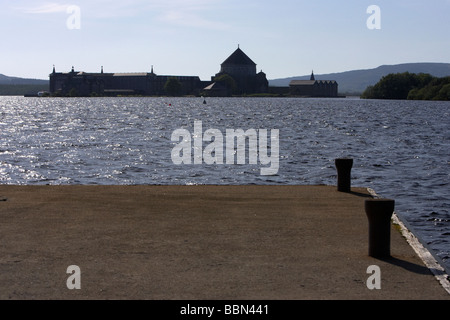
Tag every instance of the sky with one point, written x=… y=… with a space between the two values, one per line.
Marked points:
x=284 y=38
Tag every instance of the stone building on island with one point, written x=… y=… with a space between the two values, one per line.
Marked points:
x=238 y=66
x=242 y=70
x=313 y=87
x=237 y=76
x=112 y=84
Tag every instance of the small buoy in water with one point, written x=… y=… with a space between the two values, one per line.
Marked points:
x=170 y=104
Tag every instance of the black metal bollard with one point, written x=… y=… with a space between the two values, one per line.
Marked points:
x=344 y=168
x=379 y=212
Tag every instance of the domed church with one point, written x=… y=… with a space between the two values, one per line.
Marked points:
x=243 y=71
x=238 y=66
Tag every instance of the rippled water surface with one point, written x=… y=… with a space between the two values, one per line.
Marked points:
x=400 y=148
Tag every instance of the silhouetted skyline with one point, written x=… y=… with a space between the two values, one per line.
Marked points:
x=286 y=38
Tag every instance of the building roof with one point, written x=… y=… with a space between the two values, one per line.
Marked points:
x=309 y=82
x=137 y=74
x=301 y=82
x=239 y=57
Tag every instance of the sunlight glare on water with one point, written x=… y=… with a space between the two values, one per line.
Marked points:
x=400 y=148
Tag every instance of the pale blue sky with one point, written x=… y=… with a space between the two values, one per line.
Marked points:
x=193 y=37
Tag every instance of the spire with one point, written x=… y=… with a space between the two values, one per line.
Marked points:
x=152 y=73
x=102 y=69
x=54 y=69
x=312 y=76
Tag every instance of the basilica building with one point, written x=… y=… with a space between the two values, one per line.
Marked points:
x=238 y=66
x=243 y=71
x=237 y=76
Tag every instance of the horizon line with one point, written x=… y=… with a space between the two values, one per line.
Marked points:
x=286 y=77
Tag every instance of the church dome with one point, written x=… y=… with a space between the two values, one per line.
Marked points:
x=238 y=64
x=238 y=57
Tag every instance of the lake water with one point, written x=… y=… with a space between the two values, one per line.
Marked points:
x=400 y=148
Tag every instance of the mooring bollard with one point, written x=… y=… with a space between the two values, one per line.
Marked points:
x=344 y=168
x=379 y=212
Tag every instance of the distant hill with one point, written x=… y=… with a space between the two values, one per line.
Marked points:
x=20 y=81
x=12 y=86
x=356 y=81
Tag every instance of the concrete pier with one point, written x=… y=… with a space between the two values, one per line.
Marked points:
x=199 y=242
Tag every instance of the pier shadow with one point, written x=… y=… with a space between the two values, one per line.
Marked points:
x=409 y=266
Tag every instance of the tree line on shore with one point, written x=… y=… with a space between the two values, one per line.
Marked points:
x=409 y=86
